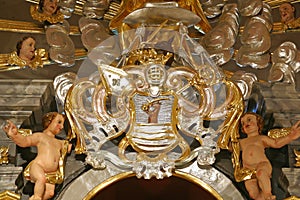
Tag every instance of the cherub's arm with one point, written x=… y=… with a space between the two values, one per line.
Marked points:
x=22 y=141
x=281 y=141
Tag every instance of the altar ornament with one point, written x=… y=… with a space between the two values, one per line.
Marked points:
x=157 y=86
x=128 y=6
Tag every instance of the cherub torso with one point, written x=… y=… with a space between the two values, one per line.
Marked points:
x=253 y=151
x=49 y=152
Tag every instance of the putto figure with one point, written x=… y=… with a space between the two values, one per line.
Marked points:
x=287 y=14
x=50 y=150
x=26 y=54
x=253 y=154
x=26 y=48
x=47 y=11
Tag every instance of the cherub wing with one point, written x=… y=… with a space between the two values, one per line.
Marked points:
x=279 y=132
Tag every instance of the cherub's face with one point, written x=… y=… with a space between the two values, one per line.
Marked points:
x=249 y=124
x=286 y=12
x=50 y=7
x=57 y=124
x=27 y=49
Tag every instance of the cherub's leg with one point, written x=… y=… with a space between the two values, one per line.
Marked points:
x=49 y=191
x=263 y=175
x=37 y=175
x=252 y=188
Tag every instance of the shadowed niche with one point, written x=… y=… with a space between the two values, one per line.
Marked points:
x=168 y=188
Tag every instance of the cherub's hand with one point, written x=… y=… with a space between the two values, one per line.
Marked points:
x=295 y=131
x=10 y=129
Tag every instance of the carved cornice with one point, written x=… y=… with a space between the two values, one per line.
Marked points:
x=28 y=27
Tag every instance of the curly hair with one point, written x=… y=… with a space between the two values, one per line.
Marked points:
x=48 y=117
x=41 y=4
x=20 y=42
x=259 y=119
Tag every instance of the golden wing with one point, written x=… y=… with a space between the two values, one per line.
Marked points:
x=279 y=132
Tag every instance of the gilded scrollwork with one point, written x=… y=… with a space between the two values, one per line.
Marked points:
x=157 y=94
x=297 y=154
x=176 y=87
x=4 y=155
x=40 y=56
x=277 y=133
x=13 y=62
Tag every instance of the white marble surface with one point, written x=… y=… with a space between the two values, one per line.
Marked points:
x=293 y=176
x=8 y=175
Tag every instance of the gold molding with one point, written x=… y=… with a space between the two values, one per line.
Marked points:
x=292 y=198
x=20 y=26
x=8 y=195
x=28 y=27
x=4 y=155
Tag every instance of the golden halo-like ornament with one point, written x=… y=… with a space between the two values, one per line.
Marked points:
x=53 y=19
